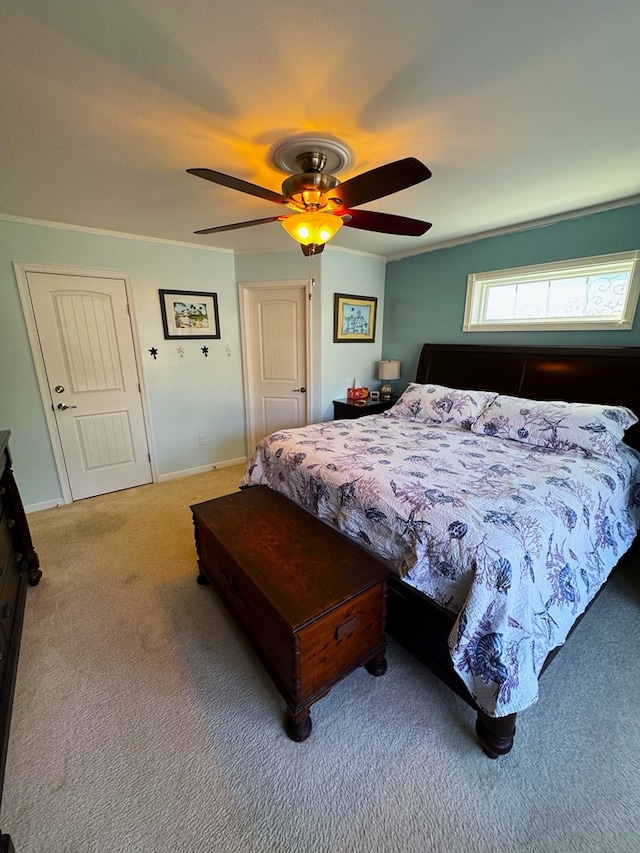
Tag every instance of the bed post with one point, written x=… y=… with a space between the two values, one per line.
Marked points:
x=496 y=733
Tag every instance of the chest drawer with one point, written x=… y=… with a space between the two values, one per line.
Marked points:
x=337 y=642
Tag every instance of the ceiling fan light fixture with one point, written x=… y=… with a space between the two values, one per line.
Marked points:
x=312 y=228
x=320 y=203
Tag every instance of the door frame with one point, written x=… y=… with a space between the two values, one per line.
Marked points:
x=21 y=272
x=244 y=288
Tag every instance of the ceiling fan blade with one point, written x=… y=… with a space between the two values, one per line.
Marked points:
x=386 y=223
x=241 y=186
x=235 y=225
x=379 y=182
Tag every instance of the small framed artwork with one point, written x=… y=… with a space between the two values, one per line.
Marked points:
x=189 y=314
x=354 y=318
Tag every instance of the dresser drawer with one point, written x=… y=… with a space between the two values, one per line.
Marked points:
x=6 y=551
x=9 y=586
x=4 y=656
x=6 y=539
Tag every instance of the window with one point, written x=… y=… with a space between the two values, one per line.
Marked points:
x=589 y=293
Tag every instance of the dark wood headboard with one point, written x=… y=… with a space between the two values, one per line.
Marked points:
x=609 y=375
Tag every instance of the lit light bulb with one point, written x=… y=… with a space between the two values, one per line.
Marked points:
x=312 y=228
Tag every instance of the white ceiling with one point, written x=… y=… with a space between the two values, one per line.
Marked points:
x=522 y=110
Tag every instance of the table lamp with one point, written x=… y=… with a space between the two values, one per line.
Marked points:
x=388 y=370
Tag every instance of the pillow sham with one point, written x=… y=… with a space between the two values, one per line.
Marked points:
x=438 y=405
x=557 y=425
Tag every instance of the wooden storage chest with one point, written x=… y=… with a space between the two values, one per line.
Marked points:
x=311 y=605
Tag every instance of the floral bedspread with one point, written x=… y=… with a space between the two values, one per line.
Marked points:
x=514 y=539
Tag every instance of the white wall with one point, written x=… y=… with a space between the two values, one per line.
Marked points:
x=334 y=271
x=186 y=396
x=357 y=275
x=291 y=266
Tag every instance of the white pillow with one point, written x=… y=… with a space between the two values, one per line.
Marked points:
x=557 y=425
x=437 y=405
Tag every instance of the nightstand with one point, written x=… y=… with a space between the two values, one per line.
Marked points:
x=343 y=409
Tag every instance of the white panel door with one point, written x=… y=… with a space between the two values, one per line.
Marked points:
x=275 y=350
x=85 y=336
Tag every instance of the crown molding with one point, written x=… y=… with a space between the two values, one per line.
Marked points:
x=103 y=232
x=528 y=225
x=329 y=248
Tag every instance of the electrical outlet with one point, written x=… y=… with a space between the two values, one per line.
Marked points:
x=203 y=438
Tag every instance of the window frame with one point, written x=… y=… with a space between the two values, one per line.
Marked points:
x=479 y=284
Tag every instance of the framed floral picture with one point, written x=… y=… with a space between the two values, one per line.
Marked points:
x=354 y=318
x=189 y=314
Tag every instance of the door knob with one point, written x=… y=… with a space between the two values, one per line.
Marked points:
x=63 y=406
x=302 y=390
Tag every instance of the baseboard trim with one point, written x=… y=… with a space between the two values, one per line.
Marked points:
x=228 y=463
x=174 y=475
x=43 y=505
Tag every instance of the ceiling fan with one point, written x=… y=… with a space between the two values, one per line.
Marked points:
x=321 y=204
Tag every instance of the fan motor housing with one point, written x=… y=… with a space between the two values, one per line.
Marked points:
x=307 y=187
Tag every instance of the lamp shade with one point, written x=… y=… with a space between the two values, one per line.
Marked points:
x=312 y=228
x=389 y=369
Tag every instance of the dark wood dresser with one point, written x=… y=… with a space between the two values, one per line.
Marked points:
x=19 y=568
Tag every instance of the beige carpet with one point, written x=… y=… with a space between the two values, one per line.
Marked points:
x=143 y=722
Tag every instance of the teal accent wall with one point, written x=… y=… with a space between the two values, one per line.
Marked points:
x=425 y=294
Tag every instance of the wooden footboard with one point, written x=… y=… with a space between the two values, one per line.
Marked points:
x=423 y=627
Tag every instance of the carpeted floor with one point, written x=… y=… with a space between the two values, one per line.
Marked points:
x=143 y=722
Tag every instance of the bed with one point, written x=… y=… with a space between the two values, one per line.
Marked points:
x=502 y=488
